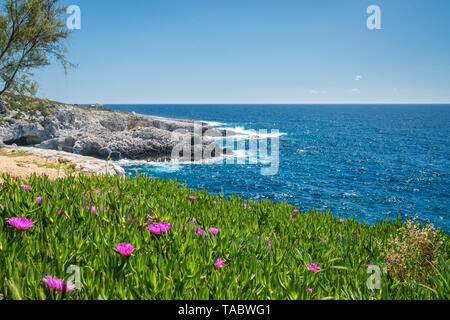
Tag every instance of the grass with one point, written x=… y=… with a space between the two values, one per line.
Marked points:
x=14 y=154
x=179 y=264
x=56 y=166
x=27 y=104
x=33 y=106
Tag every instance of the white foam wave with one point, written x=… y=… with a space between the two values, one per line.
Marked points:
x=241 y=132
x=214 y=124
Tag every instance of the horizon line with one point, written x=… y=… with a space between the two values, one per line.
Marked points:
x=274 y=104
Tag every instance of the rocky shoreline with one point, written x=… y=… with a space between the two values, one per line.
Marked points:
x=105 y=134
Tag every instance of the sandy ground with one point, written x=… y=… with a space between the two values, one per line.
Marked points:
x=19 y=167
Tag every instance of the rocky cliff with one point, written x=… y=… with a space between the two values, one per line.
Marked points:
x=104 y=133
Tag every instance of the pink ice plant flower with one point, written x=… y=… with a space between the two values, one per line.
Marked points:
x=159 y=227
x=291 y=217
x=124 y=248
x=341 y=220
x=60 y=211
x=39 y=199
x=20 y=223
x=199 y=231
x=26 y=187
x=54 y=283
x=309 y=290
x=219 y=263
x=313 y=268
x=296 y=211
x=214 y=230
x=269 y=244
x=192 y=197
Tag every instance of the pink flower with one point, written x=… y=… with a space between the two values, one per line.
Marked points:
x=158 y=228
x=219 y=263
x=269 y=243
x=356 y=231
x=199 y=231
x=164 y=226
x=214 y=230
x=115 y=188
x=60 y=211
x=39 y=199
x=124 y=248
x=194 y=220
x=341 y=220
x=214 y=202
x=20 y=223
x=296 y=211
x=54 y=283
x=313 y=268
x=192 y=197
x=309 y=290
x=26 y=187
x=154 y=229
x=94 y=210
x=291 y=217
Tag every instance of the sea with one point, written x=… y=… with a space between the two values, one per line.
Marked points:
x=371 y=162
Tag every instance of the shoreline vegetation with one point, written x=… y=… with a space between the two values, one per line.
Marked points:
x=149 y=238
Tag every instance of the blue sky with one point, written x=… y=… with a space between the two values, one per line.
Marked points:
x=255 y=51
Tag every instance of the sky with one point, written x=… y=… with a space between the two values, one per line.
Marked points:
x=254 y=52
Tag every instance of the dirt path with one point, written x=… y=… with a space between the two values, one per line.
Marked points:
x=18 y=164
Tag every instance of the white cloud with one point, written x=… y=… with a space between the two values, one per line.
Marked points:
x=318 y=92
x=358 y=77
x=355 y=90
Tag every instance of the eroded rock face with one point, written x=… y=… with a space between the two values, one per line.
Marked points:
x=115 y=135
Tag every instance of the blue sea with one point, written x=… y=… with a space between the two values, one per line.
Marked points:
x=367 y=161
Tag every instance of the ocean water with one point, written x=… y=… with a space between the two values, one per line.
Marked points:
x=368 y=161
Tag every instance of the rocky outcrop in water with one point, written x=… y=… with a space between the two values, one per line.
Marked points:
x=107 y=134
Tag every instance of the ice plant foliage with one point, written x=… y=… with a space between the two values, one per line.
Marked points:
x=167 y=255
x=54 y=283
x=124 y=248
x=21 y=223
